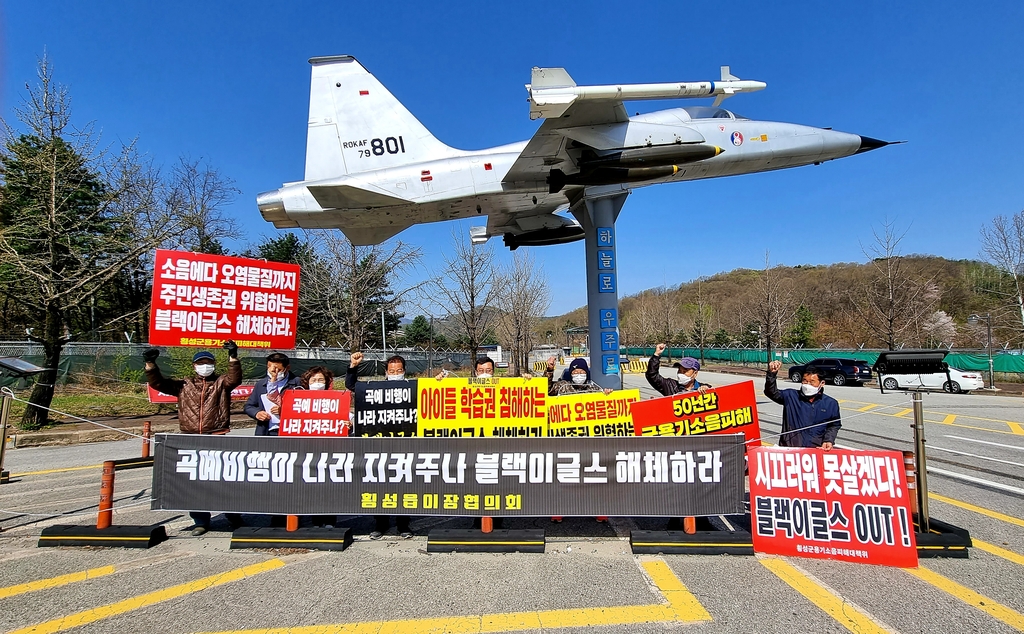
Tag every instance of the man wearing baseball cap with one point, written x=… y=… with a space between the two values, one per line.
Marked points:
x=204 y=403
x=686 y=375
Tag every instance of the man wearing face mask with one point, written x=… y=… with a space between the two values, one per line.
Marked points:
x=577 y=379
x=686 y=375
x=810 y=418
x=264 y=404
x=484 y=368
x=204 y=404
x=395 y=369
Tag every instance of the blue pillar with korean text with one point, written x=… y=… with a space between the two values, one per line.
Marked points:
x=602 y=206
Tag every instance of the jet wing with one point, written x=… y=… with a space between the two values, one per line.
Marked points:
x=547 y=147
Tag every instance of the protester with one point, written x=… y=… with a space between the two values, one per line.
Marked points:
x=320 y=378
x=204 y=404
x=484 y=368
x=264 y=404
x=686 y=375
x=576 y=381
x=810 y=418
x=395 y=369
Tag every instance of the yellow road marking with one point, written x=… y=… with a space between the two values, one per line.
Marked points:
x=1016 y=428
x=988 y=429
x=1009 y=555
x=32 y=473
x=134 y=603
x=949 y=419
x=55 y=582
x=844 y=612
x=977 y=509
x=1011 y=617
x=868 y=407
x=682 y=607
x=902 y=413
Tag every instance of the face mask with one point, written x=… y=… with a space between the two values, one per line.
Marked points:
x=396 y=377
x=684 y=379
x=483 y=375
x=579 y=379
x=809 y=390
x=318 y=386
x=271 y=377
x=204 y=370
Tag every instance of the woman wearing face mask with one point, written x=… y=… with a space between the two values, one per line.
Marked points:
x=576 y=380
x=685 y=379
x=320 y=378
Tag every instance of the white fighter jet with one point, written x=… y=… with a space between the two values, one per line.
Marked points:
x=373 y=170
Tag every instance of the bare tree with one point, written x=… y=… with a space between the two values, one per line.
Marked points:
x=344 y=287
x=895 y=299
x=522 y=295
x=73 y=218
x=773 y=304
x=701 y=312
x=1003 y=245
x=463 y=290
x=199 y=192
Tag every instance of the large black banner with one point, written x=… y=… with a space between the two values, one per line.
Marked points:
x=631 y=477
x=385 y=408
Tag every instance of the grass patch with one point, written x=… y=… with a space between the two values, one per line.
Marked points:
x=91 y=405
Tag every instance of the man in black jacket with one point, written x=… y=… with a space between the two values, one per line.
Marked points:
x=686 y=375
x=264 y=404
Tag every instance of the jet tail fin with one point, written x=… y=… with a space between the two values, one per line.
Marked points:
x=356 y=124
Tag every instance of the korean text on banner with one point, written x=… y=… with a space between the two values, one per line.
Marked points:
x=240 y=393
x=592 y=414
x=483 y=407
x=385 y=408
x=203 y=300
x=730 y=409
x=842 y=504
x=315 y=413
x=536 y=477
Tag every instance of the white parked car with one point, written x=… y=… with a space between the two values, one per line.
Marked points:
x=959 y=381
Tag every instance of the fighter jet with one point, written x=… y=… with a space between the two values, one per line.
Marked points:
x=373 y=170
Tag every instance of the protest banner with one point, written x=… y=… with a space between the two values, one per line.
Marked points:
x=315 y=413
x=240 y=393
x=540 y=477
x=385 y=408
x=844 y=504
x=591 y=414
x=730 y=409
x=203 y=300
x=458 y=407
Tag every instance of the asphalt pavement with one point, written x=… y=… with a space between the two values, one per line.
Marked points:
x=587 y=580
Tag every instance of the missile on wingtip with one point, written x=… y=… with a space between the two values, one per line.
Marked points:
x=552 y=91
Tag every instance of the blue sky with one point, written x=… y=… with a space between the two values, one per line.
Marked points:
x=229 y=82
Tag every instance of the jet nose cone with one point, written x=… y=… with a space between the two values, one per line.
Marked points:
x=867 y=144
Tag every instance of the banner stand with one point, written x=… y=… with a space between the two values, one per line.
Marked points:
x=476 y=541
x=105 y=535
x=711 y=541
x=311 y=538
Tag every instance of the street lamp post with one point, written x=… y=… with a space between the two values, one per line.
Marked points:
x=987 y=318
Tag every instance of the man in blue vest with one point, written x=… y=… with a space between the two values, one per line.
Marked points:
x=810 y=418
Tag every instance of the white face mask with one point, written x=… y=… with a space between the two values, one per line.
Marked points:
x=809 y=390
x=318 y=385
x=684 y=379
x=272 y=377
x=396 y=377
x=204 y=370
x=579 y=379
x=483 y=375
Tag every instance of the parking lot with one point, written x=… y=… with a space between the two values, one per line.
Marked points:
x=586 y=579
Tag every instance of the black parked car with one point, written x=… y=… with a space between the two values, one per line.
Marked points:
x=835 y=370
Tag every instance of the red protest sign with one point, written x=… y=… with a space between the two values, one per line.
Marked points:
x=203 y=300
x=730 y=409
x=240 y=393
x=315 y=413
x=842 y=504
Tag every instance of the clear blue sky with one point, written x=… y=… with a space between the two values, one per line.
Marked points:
x=228 y=81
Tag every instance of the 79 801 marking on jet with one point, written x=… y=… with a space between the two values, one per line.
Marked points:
x=373 y=170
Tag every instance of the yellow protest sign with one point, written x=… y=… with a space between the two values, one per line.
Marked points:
x=592 y=414
x=510 y=407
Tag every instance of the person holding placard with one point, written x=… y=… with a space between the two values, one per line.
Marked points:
x=264 y=404
x=686 y=375
x=810 y=418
